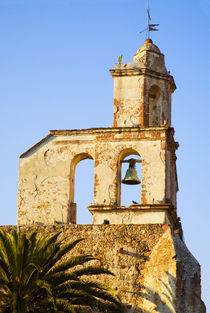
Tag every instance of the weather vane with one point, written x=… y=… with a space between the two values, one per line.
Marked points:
x=150 y=27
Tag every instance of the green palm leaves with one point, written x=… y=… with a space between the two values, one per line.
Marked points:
x=34 y=277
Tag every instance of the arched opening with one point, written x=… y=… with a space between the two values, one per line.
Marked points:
x=129 y=194
x=81 y=189
x=155 y=114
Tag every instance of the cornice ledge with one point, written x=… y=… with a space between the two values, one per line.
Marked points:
x=111 y=130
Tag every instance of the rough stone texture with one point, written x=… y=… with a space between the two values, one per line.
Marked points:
x=154 y=271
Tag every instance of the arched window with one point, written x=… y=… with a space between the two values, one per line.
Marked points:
x=155 y=112
x=129 y=194
x=81 y=189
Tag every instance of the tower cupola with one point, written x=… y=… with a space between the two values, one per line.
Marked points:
x=142 y=89
x=149 y=56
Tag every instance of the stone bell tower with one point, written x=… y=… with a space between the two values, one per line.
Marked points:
x=141 y=127
x=142 y=90
x=143 y=244
x=142 y=118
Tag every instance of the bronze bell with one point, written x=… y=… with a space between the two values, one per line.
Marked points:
x=131 y=177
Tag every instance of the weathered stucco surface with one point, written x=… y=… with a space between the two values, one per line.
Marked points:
x=142 y=89
x=46 y=172
x=154 y=271
x=142 y=119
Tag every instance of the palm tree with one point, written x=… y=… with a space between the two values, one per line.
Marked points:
x=35 y=278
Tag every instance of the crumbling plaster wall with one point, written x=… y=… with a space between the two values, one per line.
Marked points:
x=149 y=56
x=131 y=100
x=107 y=163
x=128 y=99
x=46 y=176
x=44 y=182
x=154 y=271
x=130 y=216
x=165 y=98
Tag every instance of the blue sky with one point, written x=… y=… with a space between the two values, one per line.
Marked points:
x=54 y=62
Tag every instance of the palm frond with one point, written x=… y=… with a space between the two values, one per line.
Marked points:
x=60 y=278
x=7 y=251
x=62 y=251
x=80 y=285
x=90 y=270
x=48 y=295
x=34 y=278
x=4 y=270
x=74 y=261
x=65 y=307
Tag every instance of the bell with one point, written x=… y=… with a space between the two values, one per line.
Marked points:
x=131 y=177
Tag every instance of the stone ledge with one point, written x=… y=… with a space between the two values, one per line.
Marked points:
x=133 y=207
x=143 y=71
x=101 y=131
x=136 y=214
x=111 y=130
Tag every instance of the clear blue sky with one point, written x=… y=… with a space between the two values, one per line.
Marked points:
x=54 y=62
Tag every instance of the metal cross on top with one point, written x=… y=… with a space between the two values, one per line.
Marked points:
x=150 y=27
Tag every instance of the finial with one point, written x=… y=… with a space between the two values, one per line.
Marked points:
x=150 y=27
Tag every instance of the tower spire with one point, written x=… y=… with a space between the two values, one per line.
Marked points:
x=148 y=19
x=150 y=27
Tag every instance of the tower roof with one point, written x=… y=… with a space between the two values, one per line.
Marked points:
x=148 y=46
x=149 y=56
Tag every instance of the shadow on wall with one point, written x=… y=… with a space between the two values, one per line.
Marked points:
x=155 y=302
x=164 y=302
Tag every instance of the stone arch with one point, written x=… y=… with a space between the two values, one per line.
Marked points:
x=123 y=155
x=72 y=205
x=155 y=105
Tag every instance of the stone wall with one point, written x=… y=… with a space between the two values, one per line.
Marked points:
x=154 y=271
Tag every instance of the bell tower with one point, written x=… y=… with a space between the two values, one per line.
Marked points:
x=141 y=127
x=143 y=244
x=142 y=119
x=142 y=90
